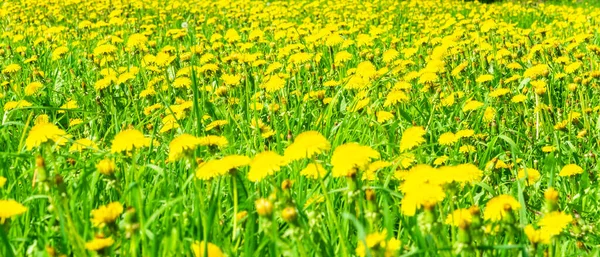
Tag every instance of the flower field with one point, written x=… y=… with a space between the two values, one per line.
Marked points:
x=299 y=128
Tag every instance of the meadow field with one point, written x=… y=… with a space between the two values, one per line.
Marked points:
x=299 y=128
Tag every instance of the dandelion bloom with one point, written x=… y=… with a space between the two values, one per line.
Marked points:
x=378 y=241
x=499 y=207
x=211 y=140
x=83 y=144
x=537 y=236
x=214 y=168
x=42 y=133
x=199 y=248
x=106 y=214
x=2 y=181
x=371 y=171
x=98 y=244
x=9 y=209
x=265 y=164
x=181 y=146
x=411 y=138
x=570 y=170
x=306 y=145
x=129 y=139
x=210 y=169
x=532 y=175
x=106 y=167
x=555 y=222
x=459 y=218
x=314 y=171
x=447 y=138
x=350 y=156
x=383 y=116
x=419 y=195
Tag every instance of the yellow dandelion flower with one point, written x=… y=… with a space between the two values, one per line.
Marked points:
x=42 y=133
x=265 y=164
x=570 y=170
x=411 y=138
x=32 y=88
x=555 y=222
x=106 y=214
x=83 y=144
x=128 y=140
x=536 y=236
x=383 y=116
x=472 y=105
x=98 y=244
x=181 y=146
x=447 y=138
x=532 y=175
x=10 y=209
x=212 y=250
x=306 y=145
x=314 y=171
x=211 y=140
x=348 y=157
x=499 y=207
x=106 y=167
x=459 y=218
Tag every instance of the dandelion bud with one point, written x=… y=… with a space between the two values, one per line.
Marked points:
x=370 y=195
x=264 y=207
x=289 y=214
x=241 y=215
x=286 y=185
x=40 y=165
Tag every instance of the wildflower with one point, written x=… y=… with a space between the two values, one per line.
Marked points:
x=570 y=170
x=265 y=164
x=419 y=195
x=555 y=222
x=210 y=140
x=538 y=236
x=489 y=114
x=378 y=245
x=273 y=83
x=181 y=146
x=289 y=214
x=314 y=171
x=484 y=78
x=2 y=181
x=11 y=68
x=83 y=144
x=411 y=138
x=16 y=104
x=394 y=97
x=472 y=105
x=106 y=214
x=500 y=207
x=9 y=209
x=370 y=172
x=459 y=218
x=348 y=157
x=264 y=207
x=383 y=116
x=33 y=88
x=306 y=145
x=532 y=175
x=106 y=167
x=98 y=244
x=42 y=133
x=447 y=138
x=128 y=140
